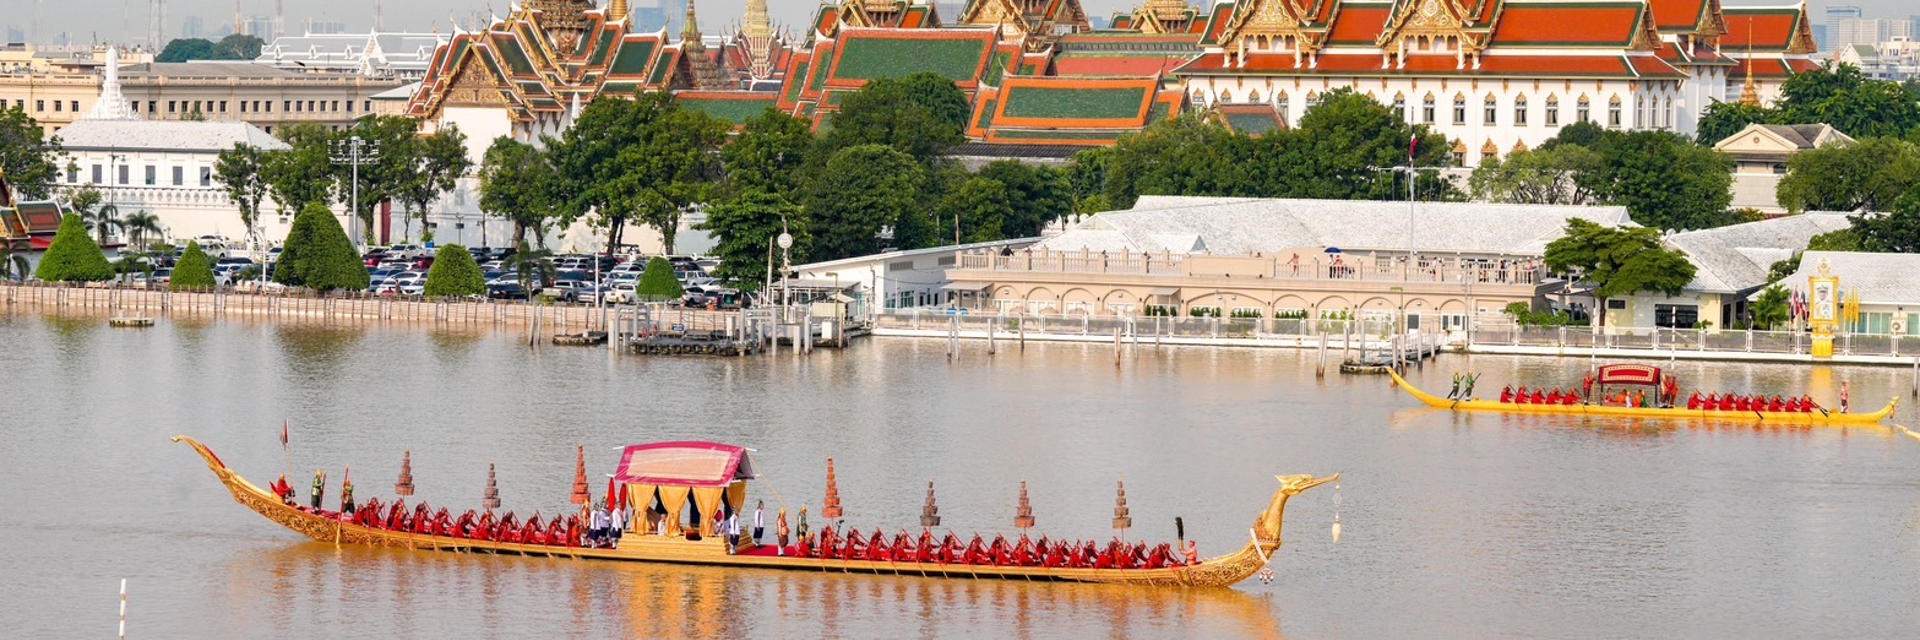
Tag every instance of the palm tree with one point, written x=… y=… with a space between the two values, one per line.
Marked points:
x=138 y=224
x=529 y=263
x=12 y=266
x=98 y=214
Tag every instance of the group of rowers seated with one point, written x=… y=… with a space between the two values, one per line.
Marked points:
x=1537 y=396
x=424 y=520
x=1730 y=402
x=829 y=545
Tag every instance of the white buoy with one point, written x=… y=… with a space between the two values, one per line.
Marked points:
x=123 y=609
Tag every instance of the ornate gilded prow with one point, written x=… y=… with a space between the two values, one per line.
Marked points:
x=213 y=461
x=1267 y=528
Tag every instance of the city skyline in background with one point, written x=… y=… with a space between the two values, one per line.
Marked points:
x=43 y=22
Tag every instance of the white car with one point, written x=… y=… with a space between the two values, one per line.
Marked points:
x=622 y=292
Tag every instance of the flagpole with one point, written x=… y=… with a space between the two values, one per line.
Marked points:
x=285 y=451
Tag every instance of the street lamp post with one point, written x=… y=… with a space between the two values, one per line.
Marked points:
x=354 y=152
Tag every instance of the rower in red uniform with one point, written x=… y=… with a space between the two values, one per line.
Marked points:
x=1776 y=404
x=1554 y=398
x=1539 y=398
x=1506 y=394
x=1807 y=405
x=1793 y=405
x=1693 y=401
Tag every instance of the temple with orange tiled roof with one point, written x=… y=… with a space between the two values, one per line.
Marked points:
x=1497 y=75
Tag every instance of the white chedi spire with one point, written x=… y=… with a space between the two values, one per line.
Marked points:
x=112 y=105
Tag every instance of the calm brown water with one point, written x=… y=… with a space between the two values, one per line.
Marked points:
x=1455 y=526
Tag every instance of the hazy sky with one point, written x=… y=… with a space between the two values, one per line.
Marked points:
x=127 y=19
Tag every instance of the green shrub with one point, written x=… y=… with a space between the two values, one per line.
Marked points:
x=1247 y=314
x=454 y=273
x=318 y=255
x=194 y=272
x=658 y=282
x=73 y=256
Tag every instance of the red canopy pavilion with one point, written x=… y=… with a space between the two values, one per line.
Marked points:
x=663 y=477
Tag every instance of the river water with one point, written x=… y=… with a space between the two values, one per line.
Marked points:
x=1482 y=526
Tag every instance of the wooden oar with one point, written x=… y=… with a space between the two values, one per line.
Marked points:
x=1907 y=431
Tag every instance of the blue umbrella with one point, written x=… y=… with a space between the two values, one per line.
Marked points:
x=1333 y=249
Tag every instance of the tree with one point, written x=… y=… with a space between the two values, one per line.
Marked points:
x=922 y=115
x=744 y=229
x=1721 y=120
x=1549 y=175
x=657 y=283
x=384 y=172
x=1868 y=175
x=1842 y=96
x=646 y=159
x=194 y=272
x=239 y=171
x=1346 y=140
x=1184 y=155
x=99 y=215
x=139 y=225
x=1087 y=177
x=1897 y=231
x=454 y=273
x=239 y=47
x=1847 y=239
x=533 y=266
x=1666 y=182
x=1770 y=310
x=330 y=262
x=13 y=266
x=977 y=211
x=303 y=174
x=439 y=161
x=519 y=184
x=317 y=254
x=1618 y=261
x=769 y=154
x=73 y=256
x=1037 y=195
x=864 y=190
x=28 y=157
x=232 y=47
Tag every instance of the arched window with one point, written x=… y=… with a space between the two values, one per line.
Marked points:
x=1553 y=111
x=1400 y=106
x=1280 y=105
x=1313 y=100
x=1491 y=110
x=1613 y=112
x=1583 y=112
x=1426 y=109
x=1520 y=111
x=1459 y=109
x=1253 y=96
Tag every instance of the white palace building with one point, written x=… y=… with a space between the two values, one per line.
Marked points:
x=1498 y=76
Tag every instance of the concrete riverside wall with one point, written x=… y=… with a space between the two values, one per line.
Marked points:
x=361 y=309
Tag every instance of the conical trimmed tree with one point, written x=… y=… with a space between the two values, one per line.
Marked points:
x=294 y=250
x=657 y=283
x=194 y=272
x=73 y=256
x=454 y=273
x=330 y=262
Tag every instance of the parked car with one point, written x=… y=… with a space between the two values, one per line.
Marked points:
x=507 y=290
x=622 y=292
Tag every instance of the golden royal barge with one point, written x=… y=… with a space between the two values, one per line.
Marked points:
x=1628 y=375
x=685 y=479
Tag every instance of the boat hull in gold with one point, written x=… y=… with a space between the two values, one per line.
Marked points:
x=1833 y=418
x=1222 y=571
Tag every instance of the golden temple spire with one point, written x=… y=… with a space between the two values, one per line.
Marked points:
x=757 y=24
x=1750 y=93
x=617 y=11
x=691 y=31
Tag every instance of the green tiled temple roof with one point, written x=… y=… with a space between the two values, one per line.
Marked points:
x=986 y=113
x=794 y=85
x=1063 y=103
x=997 y=67
x=633 y=58
x=1252 y=124
x=876 y=58
x=1042 y=136
x=736 y=111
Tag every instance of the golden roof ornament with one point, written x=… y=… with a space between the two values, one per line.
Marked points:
x=831 y=508
x=1122 y=520
x=1023 y=516
x=580 y=495
x=930 y=514
x=1824 y=267
x=491 y=499
x=405 y=485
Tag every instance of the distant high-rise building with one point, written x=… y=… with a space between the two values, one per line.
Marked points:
x=193 y=27
x=16 y=34
x=325 y=27
x=1830 y=31
x=261 y=27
